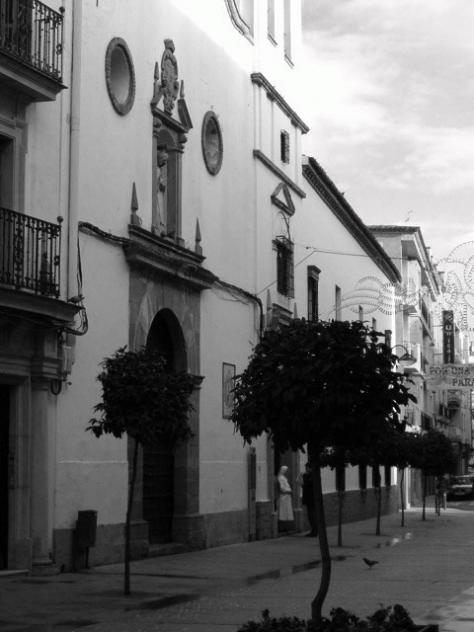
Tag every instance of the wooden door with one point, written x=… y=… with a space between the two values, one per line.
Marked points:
x=4 y=461
x=158 y=492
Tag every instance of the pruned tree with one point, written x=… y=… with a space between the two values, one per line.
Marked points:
x=338 y=459
x=384 y=450
x=314 y=385
x=144 y=400
x=433 y=454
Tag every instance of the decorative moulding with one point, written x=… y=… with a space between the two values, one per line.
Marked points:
x=281 y=198
x=237 y=20
x=272 y=93
x=120 y=75
x=158 y=254
x=211 y=143
x=278 y=172
x=166 y=91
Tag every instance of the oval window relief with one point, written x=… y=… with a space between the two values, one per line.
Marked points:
x=212 y=147
x=120 y=75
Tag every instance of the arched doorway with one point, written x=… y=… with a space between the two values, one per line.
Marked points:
x=166 y=337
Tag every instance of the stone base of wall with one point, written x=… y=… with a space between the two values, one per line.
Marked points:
x=204 y=531
x=227 y=527
x=360 y=505
x=109 y=547
x=265 y=521
x=190 y=531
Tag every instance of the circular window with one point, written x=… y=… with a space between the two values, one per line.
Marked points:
x=119 y=75
x=212 y=147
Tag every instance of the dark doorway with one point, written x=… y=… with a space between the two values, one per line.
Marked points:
x=4 y=452
x=165 y=336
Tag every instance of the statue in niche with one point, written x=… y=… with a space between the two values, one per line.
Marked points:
x=161 y=189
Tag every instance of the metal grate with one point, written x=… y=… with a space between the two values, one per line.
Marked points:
x=30 y=251
x=32 y=33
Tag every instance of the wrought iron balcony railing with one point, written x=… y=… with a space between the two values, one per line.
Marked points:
x=32 y=33
x=30 y=252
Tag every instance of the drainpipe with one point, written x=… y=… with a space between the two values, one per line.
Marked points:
x=74 y=124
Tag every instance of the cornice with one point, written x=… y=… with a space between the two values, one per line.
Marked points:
x=272 y=93
x=330 y=194
x=144 y=249
x=257 y=153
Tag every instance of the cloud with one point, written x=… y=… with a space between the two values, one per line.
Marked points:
x=391 y=83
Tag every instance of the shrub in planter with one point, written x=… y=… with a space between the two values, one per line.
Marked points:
x=391 y=619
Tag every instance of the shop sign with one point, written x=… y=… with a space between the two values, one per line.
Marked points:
x=448 y=336
x=458 y=376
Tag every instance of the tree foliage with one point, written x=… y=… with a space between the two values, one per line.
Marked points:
x=433 y=453
x=141 y=398
x=319 y=383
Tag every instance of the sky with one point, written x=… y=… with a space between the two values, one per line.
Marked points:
x=391 y=111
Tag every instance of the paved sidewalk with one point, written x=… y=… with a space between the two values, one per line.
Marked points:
x=426 y=566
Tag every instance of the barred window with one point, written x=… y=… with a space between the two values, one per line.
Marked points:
x=285 y=266
x=313 y=293
x=284 y=146
x=271 y=19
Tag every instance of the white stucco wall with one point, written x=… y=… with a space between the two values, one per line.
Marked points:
x=93 y=473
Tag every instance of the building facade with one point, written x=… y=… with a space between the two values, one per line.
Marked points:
x=153 y=193
x=421 y=320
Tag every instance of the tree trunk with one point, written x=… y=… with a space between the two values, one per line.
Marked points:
x=423 y=513
x=340 y=506
x=131 y=489
x=378 y=494
x=317 y=603
x=402 y=494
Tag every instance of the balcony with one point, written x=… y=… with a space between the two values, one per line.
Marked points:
x=31 y=48
x=414 y=349
x=30 y=253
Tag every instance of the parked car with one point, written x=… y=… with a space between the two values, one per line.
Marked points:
x=461 y=487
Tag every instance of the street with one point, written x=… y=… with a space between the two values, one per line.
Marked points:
x=425 y=566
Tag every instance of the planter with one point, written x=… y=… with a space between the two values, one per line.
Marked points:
x=391 y=619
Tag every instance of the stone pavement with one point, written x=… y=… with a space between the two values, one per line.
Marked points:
x=426 y=566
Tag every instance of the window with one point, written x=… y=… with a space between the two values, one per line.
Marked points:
x=284 y=146
x=287 y=33
x=120 y=76
x=285 y=267
x=271 y=19
x=246 y=12
x=6 y=172
x=338 y=303
x=313 y=293
x=211 y=143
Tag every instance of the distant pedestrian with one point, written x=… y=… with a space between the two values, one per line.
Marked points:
x=307 y=499
x=285 y=507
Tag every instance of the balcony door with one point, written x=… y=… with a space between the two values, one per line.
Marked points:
x=15 y=29
x=6 y=172
x=4 y=473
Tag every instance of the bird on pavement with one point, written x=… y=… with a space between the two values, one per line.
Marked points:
x=370 y=563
